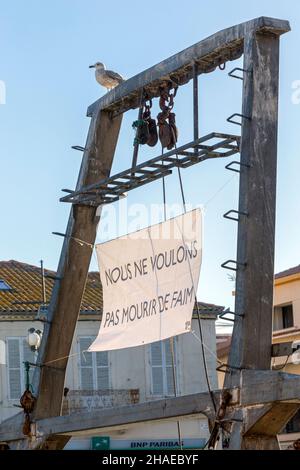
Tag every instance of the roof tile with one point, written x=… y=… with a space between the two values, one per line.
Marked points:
x=288 y=272
x=25 y=281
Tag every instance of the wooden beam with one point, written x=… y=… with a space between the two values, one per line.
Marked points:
x=252 y=334
x=273 y=420
x=258 y=387
x=268 y=400
x=72 y=270
x=262 y=435
x=260 y=442
x=282 y=349
x=263 y=387
x=209 y=53
x=199 y=403
x=261 y=423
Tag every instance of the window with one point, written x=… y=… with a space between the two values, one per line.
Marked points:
x=283 y=317
x=18 y=351
x=4 y=286
x=162 y=378
x=93 y=367
x=293 y=425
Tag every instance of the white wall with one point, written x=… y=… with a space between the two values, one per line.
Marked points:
x=130 y=369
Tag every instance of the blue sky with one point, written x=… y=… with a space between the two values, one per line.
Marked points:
x=46 y=48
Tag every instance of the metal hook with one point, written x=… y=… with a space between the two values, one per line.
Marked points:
x=238 y=115
x=230 y=261
x=227 y=215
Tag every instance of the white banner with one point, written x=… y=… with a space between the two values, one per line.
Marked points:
x=149 y=281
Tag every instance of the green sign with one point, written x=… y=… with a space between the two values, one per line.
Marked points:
x=101 y=443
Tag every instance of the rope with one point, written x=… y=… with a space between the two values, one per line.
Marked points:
x=171 y=339
x=219 y=190
x=164 y=190
x=274 y=367
x=64 y=357
x=196 y=299
x=175 y=387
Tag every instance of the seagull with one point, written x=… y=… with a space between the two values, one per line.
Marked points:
x=106 y=78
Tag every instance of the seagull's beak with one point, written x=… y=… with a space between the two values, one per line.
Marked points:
x=91 y=66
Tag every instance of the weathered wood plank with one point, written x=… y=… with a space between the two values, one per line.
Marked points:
x=218 y=48
x=262 y=430
x=252 y=334
x=73 y=268
x=282 y=349
x=260 y=443
x=261 y=425
x=117 y=416
x=273 y=420
x=258 y=387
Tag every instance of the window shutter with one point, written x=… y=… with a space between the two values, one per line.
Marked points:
x=102 y=367
x=14 y=372
x=85 y=365
x=169 y=367
x=157 y=369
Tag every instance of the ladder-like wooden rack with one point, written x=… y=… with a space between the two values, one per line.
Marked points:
x=108 y=190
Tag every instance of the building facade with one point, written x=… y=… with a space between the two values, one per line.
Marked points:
x=286 y=328
x=104 y=379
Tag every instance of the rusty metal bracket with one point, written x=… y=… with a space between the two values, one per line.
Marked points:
x=227 y=215
x=79 y=148
x=227 y=368
x=225 y=265
x=231 y=420
x=230 y=165
x=55 y=278
x=238 y=69
x=229 y=312
x=69 y=191
x=59 y=234
x=231 y=120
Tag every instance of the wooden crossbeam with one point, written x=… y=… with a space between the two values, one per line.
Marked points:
x=273 y=387
x=282 y=349
x=217 y=49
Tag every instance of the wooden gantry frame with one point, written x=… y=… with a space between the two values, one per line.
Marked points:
x=261 y=401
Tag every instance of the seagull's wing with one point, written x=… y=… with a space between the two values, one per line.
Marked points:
x=114 y=75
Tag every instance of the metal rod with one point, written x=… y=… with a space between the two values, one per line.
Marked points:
x=79 y=148
x=230 y=261
x=230 y=165
x=43 y=282
x=136 y=144
x=242 y=116
x=195 y=103
x=237 y=69
x=236 y=219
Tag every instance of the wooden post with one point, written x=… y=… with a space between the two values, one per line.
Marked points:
x=252 y=335
x=73 y=268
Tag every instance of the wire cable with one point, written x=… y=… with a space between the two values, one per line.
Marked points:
x=196 y=300
x=175 y=385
